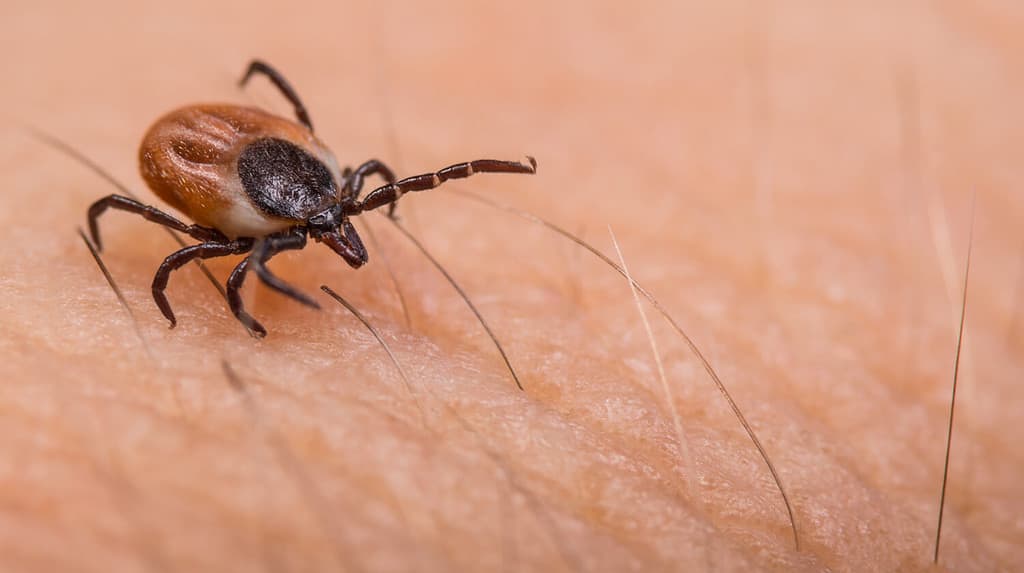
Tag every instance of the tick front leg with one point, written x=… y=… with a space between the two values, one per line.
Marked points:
x=153 y=214
x=257 y=66
x=180 y=258
x=390 y=193
x=354 y=179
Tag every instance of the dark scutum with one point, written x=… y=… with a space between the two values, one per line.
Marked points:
x=283 y=180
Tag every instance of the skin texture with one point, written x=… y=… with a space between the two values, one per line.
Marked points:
x=793 y=180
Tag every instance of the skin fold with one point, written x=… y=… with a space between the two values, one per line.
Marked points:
x=793 y=180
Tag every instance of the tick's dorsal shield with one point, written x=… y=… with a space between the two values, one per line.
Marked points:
x=284 y=180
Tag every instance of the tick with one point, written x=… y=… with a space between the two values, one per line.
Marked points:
x=258 y=184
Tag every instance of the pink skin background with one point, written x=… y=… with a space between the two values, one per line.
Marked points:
x=792 y=179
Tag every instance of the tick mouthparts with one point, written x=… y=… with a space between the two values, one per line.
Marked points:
x=353 y=254
x=332 y=240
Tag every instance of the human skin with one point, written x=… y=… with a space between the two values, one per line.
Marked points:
x=792 y=180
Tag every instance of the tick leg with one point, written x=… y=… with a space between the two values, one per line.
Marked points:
x=153 y=214
x=235 y=299
x=354 y=180
x=270 y=247
x=180 y=258
x=266 y=249
x=258 y=66
x=391 y=192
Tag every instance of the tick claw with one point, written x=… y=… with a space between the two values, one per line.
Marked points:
x=254 y=328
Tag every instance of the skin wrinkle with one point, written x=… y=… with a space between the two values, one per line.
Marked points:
x=524 y=493
x=822 y=303
x=570 y=559
x=288 y=463
x=122 y=494
x=506 y=550
x=391 y=357
x=635 y=286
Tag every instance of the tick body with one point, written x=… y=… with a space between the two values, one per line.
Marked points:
x=240 y=170
x=258 y=184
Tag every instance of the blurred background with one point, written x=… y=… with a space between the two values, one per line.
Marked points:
x=794 y=179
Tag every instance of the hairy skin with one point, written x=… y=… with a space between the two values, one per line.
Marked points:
x=792 y=180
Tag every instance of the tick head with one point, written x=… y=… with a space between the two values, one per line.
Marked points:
x=327 y=221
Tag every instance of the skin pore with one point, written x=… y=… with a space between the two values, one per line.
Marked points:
x=792 y=180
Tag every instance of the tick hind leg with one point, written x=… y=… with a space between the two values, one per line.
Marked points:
x=388 y=194
x=153 y=214
x=180 y=258
x=257 y=261
x=258 y=66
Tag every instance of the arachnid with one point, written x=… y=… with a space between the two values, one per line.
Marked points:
x=257 y=183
